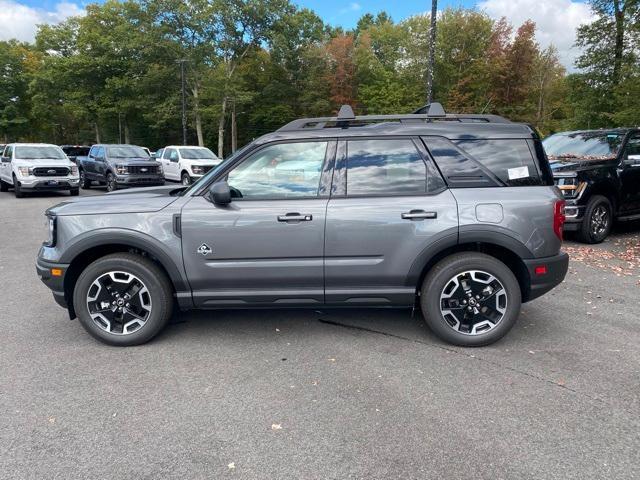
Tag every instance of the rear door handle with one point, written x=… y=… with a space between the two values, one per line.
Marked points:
x=295 y=217
x=419 y=215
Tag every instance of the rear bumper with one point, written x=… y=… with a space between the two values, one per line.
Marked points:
x=540 y=283
x=55 y=283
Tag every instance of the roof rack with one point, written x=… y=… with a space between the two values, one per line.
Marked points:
x=346 y=118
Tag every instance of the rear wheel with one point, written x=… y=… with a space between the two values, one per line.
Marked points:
x=16 y=188
x=84 y=181
x=597 y=221
x=111 y=183
x=123 y=299
x=4 y=186
x=470 y=299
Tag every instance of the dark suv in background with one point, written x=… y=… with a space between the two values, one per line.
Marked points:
x=119 y=166
x=598 y=172
x=455 y=214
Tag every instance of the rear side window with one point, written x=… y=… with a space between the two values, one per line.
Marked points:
x=509 y=160
x=388 y=167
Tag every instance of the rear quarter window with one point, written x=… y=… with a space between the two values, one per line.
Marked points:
x=510 y=160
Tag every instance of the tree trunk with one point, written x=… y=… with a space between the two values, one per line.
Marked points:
x=223 y=112
x=97 y=130
x=127 y=136
x=619 y=45
x=234 y=129
x=196 y=108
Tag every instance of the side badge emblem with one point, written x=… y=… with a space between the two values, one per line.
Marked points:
x=204 y=249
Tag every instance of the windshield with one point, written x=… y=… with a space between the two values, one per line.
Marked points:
x=590 y=145
x=213 y=171
x=36 y=152
x=197 y=154
x=127 y=151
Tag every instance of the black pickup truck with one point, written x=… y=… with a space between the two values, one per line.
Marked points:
x=119 y=166
x=598 y=172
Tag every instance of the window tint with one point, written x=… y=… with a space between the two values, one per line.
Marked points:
x=633 y=146
x=385 y=167
x=288 y=170
x=509 y=160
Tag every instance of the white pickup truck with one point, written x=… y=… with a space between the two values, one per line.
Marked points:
x=186 y=164
x=28 y=167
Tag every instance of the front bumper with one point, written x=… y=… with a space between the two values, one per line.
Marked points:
x=46 y=271
x=574 y=215
x=555 y=269
x=49 y=183
x=139 y=180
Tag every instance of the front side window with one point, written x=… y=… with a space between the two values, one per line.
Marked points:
x=173 y=155
x=633 y=147
x=287 y=170
x=385 y=167
x=40 y=152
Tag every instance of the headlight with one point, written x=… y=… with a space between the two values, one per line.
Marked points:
x=74 y=171
x=570 y=186
x=198 y=170
x=24 y=171
x=160 y=171
x=51 y=235
x=121 y=169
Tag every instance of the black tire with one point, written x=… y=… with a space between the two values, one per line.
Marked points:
x=16 y=188
x=85 y=183
x=441 y=276
x=597 y=221
x=185 y=179
x=158 y=287
x=112 y=186
x=4 y=186
x=74 y=192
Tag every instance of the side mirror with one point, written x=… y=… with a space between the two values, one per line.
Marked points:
x=220 y=193
x=633 y=161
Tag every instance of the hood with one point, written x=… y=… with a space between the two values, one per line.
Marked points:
x=45 y=162
x=134 y=200
x=562 y=164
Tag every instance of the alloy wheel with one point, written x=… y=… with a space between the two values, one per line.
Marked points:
x=119 y=303
x=599 y=220
x=473 y=302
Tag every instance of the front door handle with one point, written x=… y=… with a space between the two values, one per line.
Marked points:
x=418 y=215
x=295 y=217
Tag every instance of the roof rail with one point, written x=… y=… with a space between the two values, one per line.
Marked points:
x=346 y=118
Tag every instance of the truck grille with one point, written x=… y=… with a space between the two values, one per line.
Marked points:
x=139 y=170
x=207 y=168
x=51 y=171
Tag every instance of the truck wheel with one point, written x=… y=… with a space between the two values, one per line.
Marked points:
x=4 y=186
x=112 y=186
x=597 y=221
x=85 y=183
x=74 y=192
x=123 y=299
x=16 y=188
x=470 y=299
x=186 y=179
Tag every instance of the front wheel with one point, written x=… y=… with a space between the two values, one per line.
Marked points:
x=186 y=179
x=123 y=299
x=470 y=299
x=85 y=183
x=17 y=189
x=597 y=221
x=74 y=192
x=4 y=186
x=112 y=186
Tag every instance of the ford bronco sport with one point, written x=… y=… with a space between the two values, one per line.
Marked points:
x=456 y=214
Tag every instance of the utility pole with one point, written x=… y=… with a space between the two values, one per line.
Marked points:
x=432 y=51
x=120 y=127
x=182 y=61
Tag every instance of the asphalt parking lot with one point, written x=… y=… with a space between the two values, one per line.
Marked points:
x=284 y=394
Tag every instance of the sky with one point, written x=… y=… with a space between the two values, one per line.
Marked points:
x=556 y=20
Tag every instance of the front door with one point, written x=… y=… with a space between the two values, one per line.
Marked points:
x=171 y=164
x=267 y=245
x=630 y=177
x=388 y=207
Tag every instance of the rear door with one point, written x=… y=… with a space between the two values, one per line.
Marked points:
x=388 y=206
x=630 y=176
x=5 y=164
x=265 y=247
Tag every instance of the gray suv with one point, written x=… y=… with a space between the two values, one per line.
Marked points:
x=455 y=214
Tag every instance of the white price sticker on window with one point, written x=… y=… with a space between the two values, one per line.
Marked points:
x=519 y=172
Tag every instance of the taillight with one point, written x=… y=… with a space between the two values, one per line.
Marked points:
x=558 y=217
